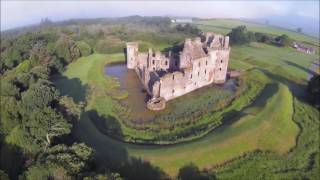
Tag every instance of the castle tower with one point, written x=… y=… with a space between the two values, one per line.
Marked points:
x=226 y=42
x=221 y=58
x=132 y=55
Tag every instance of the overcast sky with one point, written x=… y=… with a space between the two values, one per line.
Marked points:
x=21 y=13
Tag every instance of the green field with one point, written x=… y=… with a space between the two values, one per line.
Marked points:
x=224 y=26
x=267 y=124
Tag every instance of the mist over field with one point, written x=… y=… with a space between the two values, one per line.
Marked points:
x=285 y=14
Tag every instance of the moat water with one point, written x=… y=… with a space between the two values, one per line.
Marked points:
x=138 y=97
x=130 y=82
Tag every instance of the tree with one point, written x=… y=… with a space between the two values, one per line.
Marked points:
x=46 y=172
x=69 y=108
x=84 y=48
x=9 y=114
x=39 y=54
x=8 y=88
x=188 y=28
x=11 y=57
x=39 y=95
x=40 y=72
x=46 y=124
x=239 y=35
x=74 y=159
x=283 y=40
x=67 y=49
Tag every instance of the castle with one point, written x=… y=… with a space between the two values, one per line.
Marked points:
x=202 y=61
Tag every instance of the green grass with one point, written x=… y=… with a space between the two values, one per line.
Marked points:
x=267 y=56
x=265 y=125
x=254 y=130
x=301 y=163
x=87 y=74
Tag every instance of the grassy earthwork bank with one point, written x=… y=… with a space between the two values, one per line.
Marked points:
x=85 y=77
x=269 y=131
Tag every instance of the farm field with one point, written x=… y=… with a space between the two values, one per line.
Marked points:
x=266 y=125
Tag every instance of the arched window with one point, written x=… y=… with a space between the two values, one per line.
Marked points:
x=221 y=60
x=153 y=61
x=206 y=62
x=172 y=91
x=199 y=64
x=220 y=69
x=199 y=73
x=191 y=76
x=205 y=71
x=166 y=63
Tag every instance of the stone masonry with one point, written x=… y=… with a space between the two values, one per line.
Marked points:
x=202 y=61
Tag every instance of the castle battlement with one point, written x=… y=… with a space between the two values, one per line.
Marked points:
x=166 y=77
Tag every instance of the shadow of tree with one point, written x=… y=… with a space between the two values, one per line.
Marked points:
x=138 y=169
x=298 y=90
x=300 y=67
x=106 y=124
x=111 y=154
x=192 y=172
x=266 y=93
x=12 y=159
x=71 y=87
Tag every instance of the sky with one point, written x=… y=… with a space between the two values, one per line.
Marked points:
x=20 y=13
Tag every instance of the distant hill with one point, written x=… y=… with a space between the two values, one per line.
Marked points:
x=310 y=26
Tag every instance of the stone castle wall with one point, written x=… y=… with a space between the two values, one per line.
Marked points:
x=200 y=63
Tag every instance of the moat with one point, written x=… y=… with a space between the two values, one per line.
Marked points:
x=138 y=97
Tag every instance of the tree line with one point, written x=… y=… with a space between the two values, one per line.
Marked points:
x=240 y=35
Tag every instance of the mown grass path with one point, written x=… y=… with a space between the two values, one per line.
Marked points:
x=265 y=125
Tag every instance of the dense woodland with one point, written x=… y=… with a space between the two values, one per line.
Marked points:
x=37 y=122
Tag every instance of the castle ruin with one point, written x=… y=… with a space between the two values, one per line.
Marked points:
x=202 y=61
